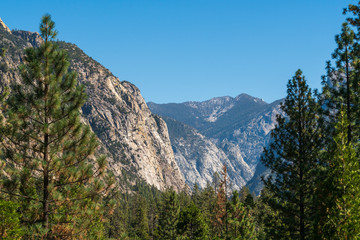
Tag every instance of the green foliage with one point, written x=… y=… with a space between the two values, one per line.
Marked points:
x=191 y=223
x=3 y=52
x=9 y=221
x=344 y=217
x=139 y=222
x=340 y=98
x=246 y=197
x=270 y=223
x=207 y=202
x=168 y=216
x=241 y=223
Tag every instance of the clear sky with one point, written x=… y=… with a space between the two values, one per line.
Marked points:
x=182 y=50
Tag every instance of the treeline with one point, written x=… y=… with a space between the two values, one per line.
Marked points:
x=209 y=213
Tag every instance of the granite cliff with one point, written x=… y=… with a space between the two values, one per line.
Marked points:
x=135 y=140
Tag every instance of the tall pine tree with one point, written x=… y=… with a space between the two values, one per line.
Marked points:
x=293 y=157
x=241 y=222
x=139 y=219
x=343 y=221
x=48 y=165
x=340 y=99
x=168 y=216
x=341 y=86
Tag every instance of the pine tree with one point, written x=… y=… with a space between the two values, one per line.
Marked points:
x=246 y=197
x=341 y=86
x=116 y=224
x=293 y=157
x=191 y=223
x=221 y=220
x=270 y=224
x=168 y=216
x=153 y=216
x=340 y=96
x=139 y=221
x=343 y=221
x=195 y=196
x=206 y=203
x=48 y=165
x=241 y=222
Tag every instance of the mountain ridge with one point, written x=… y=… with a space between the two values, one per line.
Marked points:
x=239 y=127
x=135 y=140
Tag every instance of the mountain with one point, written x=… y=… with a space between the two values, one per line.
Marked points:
x=135 y=140
x=199 y=158
x=222 y=130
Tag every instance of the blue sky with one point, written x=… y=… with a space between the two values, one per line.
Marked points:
x=182 y=50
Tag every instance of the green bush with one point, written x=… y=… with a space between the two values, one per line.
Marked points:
x=9 y=221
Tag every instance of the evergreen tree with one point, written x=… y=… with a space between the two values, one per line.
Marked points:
x=191 y=224
x=340 y=96
x=153 y=216
x=207 y=203
x=246 y=197
x=195 y=196
x=221 y=219
x=139 y=221
x=48 y=165
x=341 y=86
x=116 y=224
x=293 y=157
x=343 y=221
x=241 y=222
x=270 y=224
x=168 y=216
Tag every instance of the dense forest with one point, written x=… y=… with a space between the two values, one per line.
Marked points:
x=54 y=185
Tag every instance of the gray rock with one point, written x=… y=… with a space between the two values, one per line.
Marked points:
x=223 y=130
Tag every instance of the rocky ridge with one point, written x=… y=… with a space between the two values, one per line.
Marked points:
x=233 y=132
x=199 y=158
x=135 y=140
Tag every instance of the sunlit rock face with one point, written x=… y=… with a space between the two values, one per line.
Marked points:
x=136 y=141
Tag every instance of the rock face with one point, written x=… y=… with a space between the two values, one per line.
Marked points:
x=136 y=141
x=4 y=27
x=199 y=158
x=33 y=38
x=231 y=131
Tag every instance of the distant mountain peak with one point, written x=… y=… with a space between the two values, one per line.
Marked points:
x=249 y=97
x=3 y=26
